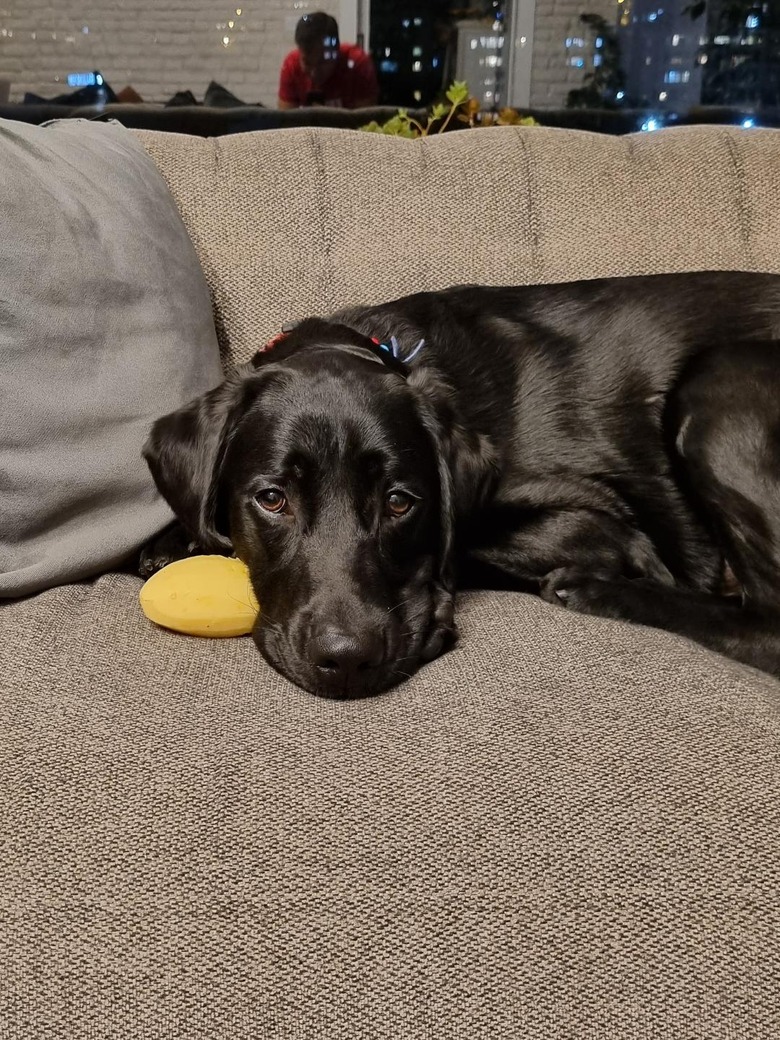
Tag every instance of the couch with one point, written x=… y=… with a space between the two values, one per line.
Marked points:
x=564 y=828
x=200 y=120
x=217 y=120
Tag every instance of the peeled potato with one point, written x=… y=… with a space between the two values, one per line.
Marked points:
x=202 y=596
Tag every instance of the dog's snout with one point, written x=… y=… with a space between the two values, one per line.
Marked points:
x=346 y=661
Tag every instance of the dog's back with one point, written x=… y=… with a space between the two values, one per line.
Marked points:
x=575 y=379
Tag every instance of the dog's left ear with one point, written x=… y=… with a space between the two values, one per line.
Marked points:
x=185 y=451
x=467 y=472
x=470 y=458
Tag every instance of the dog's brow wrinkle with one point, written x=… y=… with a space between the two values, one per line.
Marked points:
x=680 y=440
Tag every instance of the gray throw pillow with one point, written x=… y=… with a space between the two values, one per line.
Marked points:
x=105 y=324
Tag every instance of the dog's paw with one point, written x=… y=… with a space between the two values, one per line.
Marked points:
x=443 y=635
x=583 y=593
x=173 y=544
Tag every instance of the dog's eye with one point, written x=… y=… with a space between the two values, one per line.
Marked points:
x=398 y=503
x=271 y=499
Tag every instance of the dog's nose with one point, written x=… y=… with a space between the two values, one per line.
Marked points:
x=346 y=660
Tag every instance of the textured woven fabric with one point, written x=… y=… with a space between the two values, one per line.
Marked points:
x=307 y=221
x=559 y=830
x=566 y=829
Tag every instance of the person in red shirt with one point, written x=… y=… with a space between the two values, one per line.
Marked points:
x=322 y=71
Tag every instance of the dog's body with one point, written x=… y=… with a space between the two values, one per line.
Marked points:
x=612 y=445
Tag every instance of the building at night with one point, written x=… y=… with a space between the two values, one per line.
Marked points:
x=677 y=55
x=741 y=58
x=660 y=48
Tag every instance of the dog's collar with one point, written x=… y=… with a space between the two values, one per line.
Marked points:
x=392 y=348
x=280 y=337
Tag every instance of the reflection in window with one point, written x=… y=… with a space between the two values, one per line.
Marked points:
x=421 y=47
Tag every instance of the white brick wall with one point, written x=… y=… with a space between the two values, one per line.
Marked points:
x=157 y=46
x=555 y=22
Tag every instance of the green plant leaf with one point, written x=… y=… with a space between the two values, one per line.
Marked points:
x=403 y=125
x=396 y=126
x=458 y=93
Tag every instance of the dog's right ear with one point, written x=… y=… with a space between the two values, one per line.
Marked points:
x=185 y=451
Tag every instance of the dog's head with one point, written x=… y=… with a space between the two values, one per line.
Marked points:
x=329 y=470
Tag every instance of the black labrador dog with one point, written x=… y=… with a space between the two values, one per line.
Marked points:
x=611 y=445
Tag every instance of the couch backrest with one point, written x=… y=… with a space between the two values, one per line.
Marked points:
x=296 y=222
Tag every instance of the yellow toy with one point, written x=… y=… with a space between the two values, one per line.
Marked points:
x=202 y=596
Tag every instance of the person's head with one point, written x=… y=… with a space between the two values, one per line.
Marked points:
x=317 y=40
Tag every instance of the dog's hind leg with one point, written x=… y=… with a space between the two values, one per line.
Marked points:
x=724 y=420
x=726 y=625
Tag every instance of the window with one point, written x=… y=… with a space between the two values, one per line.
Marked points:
x=630 y=54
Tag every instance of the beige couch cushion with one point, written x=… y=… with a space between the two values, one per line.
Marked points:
x=561 y=830
x=303 y=221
